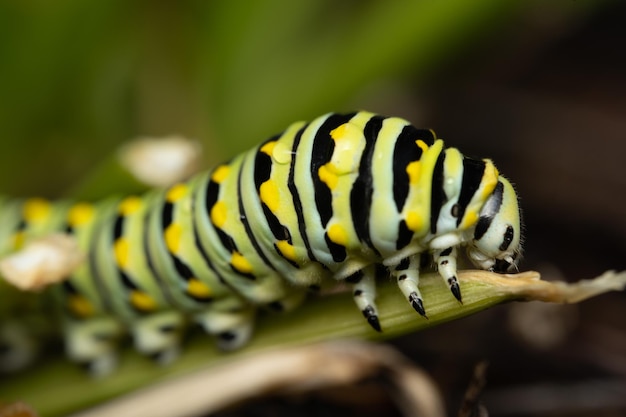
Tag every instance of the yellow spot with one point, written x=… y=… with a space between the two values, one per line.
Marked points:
x=80 y=214
x=18 y=240
x=240 y=263
x=121 y=249
x=198 y=288
x=414 y=170
x=414 y=221
x=219 y=214
x=338 y=234
x=35 y=209
x=470 y=218
x=287 y=250
x=268 y=148
x=177 y=192
x=422 y=145
x=270 y=195
x=172 y=237
x=129 y=205
x=339 y=132
x=80 y=306
x=220 y=173
x=142 y=301
x=490 y=179
x=328 y=176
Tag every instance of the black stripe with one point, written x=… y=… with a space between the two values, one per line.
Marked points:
x=507 y=238
x=210 y=199
x=489 y=211
x=198 y=243
x=127 y=281
x=262 y=165
x=404 y=235
x=167 y=214
x=473 y=171
x=118 y=227
x=337 y=251
x=295 y=196
x=362 y=189
x=322 y=153
x=262 y=173
x=406 y=151
x=246 y=225
x=437 y=194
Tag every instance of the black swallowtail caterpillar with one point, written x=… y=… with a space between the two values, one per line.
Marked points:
x=347 y=197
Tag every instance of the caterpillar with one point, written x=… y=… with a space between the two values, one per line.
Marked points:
x=345 y=197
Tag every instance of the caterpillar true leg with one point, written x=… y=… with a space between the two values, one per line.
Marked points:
x=446 y=265
x=364 y=293
x=407 y=273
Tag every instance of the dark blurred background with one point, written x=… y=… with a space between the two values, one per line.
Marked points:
x=538 y=86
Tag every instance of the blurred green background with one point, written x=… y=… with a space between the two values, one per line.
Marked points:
x=78 y=78
x=536 y=85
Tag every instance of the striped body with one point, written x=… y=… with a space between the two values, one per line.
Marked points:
x=336 y=198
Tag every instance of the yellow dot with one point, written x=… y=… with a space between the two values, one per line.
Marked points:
x=269 y=195
x=142 y=301
x=240 y=263
x=219 y=214
x=490 y=179
x=121 y=249
x=35 y=209
x=80 y=214
x=423 y=146
x=129 y=205
x=80 y=306
x=338 y=234
x=414 y=170
x=470 y=218
x=220 y=173
x=287 y=250
x=268 y=148
x=328 y=176
x=414 y=221
x=177 y=192
x=172 y=237
x=198 y=288
x=339 y=132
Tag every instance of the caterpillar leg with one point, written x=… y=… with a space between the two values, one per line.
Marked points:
x=364 y=293
x=445 y=260
x=232 y=328
x=93 y=343
x=407 y=274
x=159 y=335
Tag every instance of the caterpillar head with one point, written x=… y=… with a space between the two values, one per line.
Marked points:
x=496 y=243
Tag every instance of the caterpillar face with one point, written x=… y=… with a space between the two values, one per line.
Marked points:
x=495 y=245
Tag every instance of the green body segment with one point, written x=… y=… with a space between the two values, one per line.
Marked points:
x=333 y=199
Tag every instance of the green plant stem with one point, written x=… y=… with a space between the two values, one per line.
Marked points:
x=57 y=387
